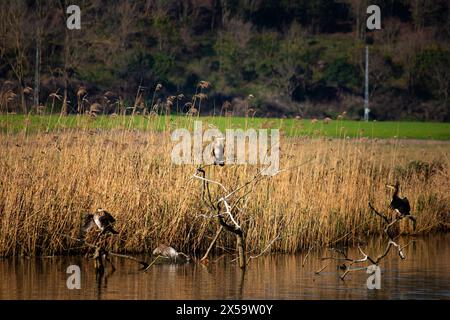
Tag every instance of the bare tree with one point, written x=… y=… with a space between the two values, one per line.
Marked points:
x=41 y=15
x=224 y=202
x=16 y=43
x=441 y=74
x=359 y=8
x=226 y=205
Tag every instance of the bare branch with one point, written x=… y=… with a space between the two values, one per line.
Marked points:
x=213 y=242
x=154 y=261
x=228 y=212
x=143 y=263
x=365 y=257
x=384 y=217
x=265 y=249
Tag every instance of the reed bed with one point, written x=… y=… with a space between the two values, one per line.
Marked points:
x=49 y=180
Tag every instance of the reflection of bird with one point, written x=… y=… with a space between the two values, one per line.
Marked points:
x=218 y=152
x=102 y=219
x=400 y=205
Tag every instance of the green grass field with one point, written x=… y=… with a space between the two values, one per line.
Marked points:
x=290 y=127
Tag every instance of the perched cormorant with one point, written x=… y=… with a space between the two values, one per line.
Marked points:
x=102 y=219
x=401 y=205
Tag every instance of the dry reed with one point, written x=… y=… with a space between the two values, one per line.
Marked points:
x=47 y=181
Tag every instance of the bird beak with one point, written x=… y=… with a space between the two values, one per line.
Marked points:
x=389 y=186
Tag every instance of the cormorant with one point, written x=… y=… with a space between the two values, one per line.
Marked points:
x=401 y=205
x=102 y=219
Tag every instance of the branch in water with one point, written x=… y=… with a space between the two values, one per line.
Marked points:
x=365 y=257
x=265 y=249
x=143 y=263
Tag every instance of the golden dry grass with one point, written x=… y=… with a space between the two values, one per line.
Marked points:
x=47 y=181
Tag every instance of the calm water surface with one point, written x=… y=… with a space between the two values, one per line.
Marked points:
x=425 y=274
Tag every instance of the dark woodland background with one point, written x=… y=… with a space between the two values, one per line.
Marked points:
x=298 y=58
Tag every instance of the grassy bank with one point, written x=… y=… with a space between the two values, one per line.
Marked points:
x=291 y=127
x=47 y=181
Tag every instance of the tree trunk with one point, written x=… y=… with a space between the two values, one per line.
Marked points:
x=64 y=104
x=23 y=101
x=36 y=78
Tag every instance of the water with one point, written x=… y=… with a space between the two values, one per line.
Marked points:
x=425 y=274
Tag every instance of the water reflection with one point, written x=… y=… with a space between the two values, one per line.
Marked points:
x=423 y=275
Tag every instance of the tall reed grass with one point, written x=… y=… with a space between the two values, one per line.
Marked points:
x=49 y=180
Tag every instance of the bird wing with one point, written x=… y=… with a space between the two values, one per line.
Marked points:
x=407 y=206
x=217 y=152
x=392 y=205
x=88 y=222
x=106 y=218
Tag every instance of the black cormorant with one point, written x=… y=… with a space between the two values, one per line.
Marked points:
x=401 y=205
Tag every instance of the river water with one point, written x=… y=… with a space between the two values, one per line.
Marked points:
x=424 y=274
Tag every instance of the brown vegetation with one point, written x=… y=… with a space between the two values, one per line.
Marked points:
x=47 y=181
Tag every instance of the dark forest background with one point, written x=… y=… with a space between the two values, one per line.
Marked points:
x=297 y=58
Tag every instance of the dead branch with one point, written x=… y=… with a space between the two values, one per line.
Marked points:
x=384 y=217
x=265 y=249
x=223 y=202
x=110 y=253
x=154 y=261
x=307 y=255
x=365 y=257
x=321 y=269
x=211 y=245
